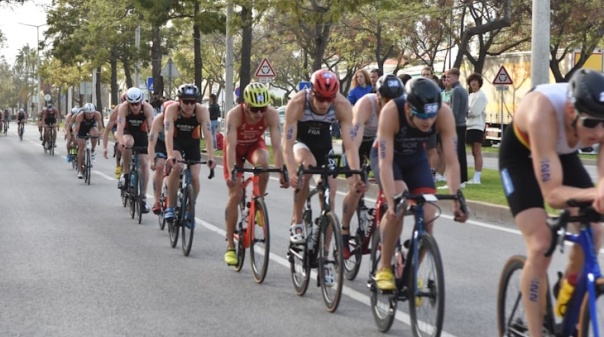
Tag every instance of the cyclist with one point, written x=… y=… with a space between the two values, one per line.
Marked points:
x=307 y=138
x=246 y=124
x=157 y=154
x=182 y=127
x=87 y=123
x=6 y=118
x=112 y=127
x=50 y=118
x=68 y=130
x=21 y=119
x=365 y=121
x=538 y=162
x=133 y=119
x=400 y=161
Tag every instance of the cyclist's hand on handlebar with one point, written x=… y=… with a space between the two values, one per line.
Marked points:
x=458 y=213
x=211 y=163
x=359 y=185
x=170 y=163
x=294 y=181
x=284 y=183
x=231 y=181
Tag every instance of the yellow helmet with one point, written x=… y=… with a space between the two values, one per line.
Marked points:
x=256 y=95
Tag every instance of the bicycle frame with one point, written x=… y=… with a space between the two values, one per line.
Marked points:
x=375 y=223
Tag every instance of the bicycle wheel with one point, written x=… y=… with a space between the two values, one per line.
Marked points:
x=383 y=304
x=260 y=244
x=87 y=167
x=173 y=225
x=21 y=132
x=355 y=244
x=132 y=193
x=239 y=237
x=52 y=142
x=331 y=262
x=585 y=322
x=511 y=320
x=188 y=220
x=299 y=260
x=426 y=292
x=162 y=201
x=139 y=198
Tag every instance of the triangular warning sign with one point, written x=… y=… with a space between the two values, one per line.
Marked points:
x=265 y=69
x=502 y=77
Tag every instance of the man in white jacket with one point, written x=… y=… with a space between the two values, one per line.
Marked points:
x=475 y=123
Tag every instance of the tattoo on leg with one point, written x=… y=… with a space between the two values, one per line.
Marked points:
x=534 y=291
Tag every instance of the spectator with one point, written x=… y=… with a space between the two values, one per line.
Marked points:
x=404 y=78
x=156 y=103
x=446 y=89
x=361 y=85
x=214 y=109
x=477 y=102
x=373 y=76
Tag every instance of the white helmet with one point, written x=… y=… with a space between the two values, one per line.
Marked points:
x=89 y=108
x=75 y=110
x=134 y=95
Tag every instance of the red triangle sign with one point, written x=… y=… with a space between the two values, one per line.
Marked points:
x=502 y=77
x=265 y=69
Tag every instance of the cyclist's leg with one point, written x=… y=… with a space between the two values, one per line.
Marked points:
x=144 y=165
x=81 y=148
x=302 y=156
x=158 y=176
x=127 y=154
x=54 y=135
x=258 y=156
x=231 y=213
x=173 y=178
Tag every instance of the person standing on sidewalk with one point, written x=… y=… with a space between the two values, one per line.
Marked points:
x=475 y=123
x=214 y=115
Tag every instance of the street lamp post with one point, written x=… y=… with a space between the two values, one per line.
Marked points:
x=38 y=63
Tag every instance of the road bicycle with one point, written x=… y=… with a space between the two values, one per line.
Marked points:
x=49 y=145
x=184 y=208
x=363 y=224
x=253 y=230
x=20 y=129
x=87 y=167
x=73 y=153
x=323 y=246
x=584 y=311
x=418 y=270
x=132 y=193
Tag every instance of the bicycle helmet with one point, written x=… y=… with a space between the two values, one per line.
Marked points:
x=586 y=92
x=423 y=95
x=389 y=86
x=134 y=95
x=188 y=91
x=256 y=95
x=75 y=110
x=325 y=83
x=89 y=108
x=49 y=106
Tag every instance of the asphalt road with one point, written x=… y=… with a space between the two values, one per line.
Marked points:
x=73 y=263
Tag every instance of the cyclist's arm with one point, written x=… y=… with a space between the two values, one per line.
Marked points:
x=233 y=121
x=387 y=129
x=156 y=128
x=293 y=111
x=203 y=116
x=122 y=112
x=542 y=128
x=171 y=114
x=344 y=116
x=76 y=126
x=360 y=115
x=273 y=122
x=66 y=125
x=445 y=126
x=99 y=122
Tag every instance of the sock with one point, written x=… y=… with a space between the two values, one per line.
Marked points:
x=477 y=175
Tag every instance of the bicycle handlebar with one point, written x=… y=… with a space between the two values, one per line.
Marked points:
x=400 y=200
x=558 y=224
x=258 y=170
x=191 y=162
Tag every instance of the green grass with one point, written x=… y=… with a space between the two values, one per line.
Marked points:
x=489 y=191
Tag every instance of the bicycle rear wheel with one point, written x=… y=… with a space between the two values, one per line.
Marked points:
x=511 y=319
x=260 y=243
x=383 y=304
x=426 y=292
x=52 y=141
x=238 y=239
x=132 y=195
x=139 y=198
x=87 y=167
x=299 y=260
x=162 y=201
x=585 y=322
x=188 y=220
x=331 y=262
x=355 y=244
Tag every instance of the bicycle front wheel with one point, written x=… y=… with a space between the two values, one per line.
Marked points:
x=331 y=262
x=139 y=198
x=355 y=244
x=511 y=319
x=162 y=201
x=188 y=220
x=260 y=243
x=426 y=289
x=52 y=141
x=87 y=167
x=132 y=193
x=299 y=260
x=585 y=321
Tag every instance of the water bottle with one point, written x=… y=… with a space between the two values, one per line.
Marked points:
x=370 y=222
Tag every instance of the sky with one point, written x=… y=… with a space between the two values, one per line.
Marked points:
x=17 y=35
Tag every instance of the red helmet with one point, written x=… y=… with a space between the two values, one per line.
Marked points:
x=325 y=83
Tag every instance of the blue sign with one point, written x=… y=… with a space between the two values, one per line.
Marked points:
x=237 y=91
x=303 y=85
x=150 y=84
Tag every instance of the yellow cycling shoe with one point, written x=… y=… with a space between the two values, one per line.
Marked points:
x=384 y=280
x=259 y=219
x=230 y=257
x=118 y=172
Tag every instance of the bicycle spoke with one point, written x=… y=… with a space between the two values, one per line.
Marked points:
x=331 y=262
x=260 y=243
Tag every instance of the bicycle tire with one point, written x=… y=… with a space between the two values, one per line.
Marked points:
x=432 y=289
x=132 y=193
x=260 y=241
x=21 y=127
x=331 y=236
x=584 y=316
x=383 y=305
x=87 y=167
x=239 y=238
x=52 y=142
x=300 y=267
x=510 y=324
x=162 y=202
x=355 y=244
x=140 y=198
x=188 y=220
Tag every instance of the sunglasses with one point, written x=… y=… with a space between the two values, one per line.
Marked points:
x=258 y=109
x=135 y=104
x=189 y=101
x=591 y=123
x=323 y=99
x=423 y=115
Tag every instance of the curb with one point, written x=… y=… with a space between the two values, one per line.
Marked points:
x=478 y=210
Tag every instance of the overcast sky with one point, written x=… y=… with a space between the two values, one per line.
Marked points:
x=16 y=34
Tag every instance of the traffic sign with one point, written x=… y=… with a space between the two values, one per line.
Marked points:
x=303 y=85
x=502 y=87
x=169 y=70
x=265 y=69
x=502 y=77
x=150 y=84
x=265 y=80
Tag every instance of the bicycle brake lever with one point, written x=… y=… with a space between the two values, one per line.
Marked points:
x=211 y=174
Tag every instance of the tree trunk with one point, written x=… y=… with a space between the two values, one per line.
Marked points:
x=156 y=59
x=197 y=49
x=246 y=48
x=99 y=97
x=114 y=86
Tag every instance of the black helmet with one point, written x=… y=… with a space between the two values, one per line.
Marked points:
x=188 y=91
x=49 y=106
x=423 y=95
x=586 y=92
x=389 y=86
